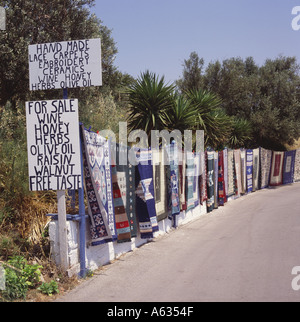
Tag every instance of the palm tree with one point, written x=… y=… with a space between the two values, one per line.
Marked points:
x=210 y=117
x=241 y=133
x=150 y=100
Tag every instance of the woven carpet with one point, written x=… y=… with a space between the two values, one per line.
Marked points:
x=190 y=175
x=249 y=170
x=98 y=187
x=159 y=177
x=231 y=173
x=203 y=177
x=210 y=181
x=216 y=179
x=238 y=172
x=243 y=171
x=255 y=176
x=173 y=183
x=265 y=167
x=297 y=166
x=276 y=168
x=225 y=163
x=122 y=223
x=196 y=179
x=221 y=191
x=126 y=181
x=145 y=202
x=288 y=167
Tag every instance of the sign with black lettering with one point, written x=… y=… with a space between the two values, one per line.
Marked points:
x=66 y=64
x=53 y=145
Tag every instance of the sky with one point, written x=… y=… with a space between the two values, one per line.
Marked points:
x=160 y=34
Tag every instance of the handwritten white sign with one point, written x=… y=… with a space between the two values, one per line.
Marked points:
x=53 y=145
x=67 y=64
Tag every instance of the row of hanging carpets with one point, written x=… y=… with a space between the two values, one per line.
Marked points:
x=125 y=200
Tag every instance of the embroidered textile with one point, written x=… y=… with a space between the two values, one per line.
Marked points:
x=190 y=175
x=225 y=164
x=297 y=166
x=231 y=173
x=216 y=178
x=255 y=174
x=243 y=171
x=203 y=177
x=221 y=192
x=249 y=170
x=265 y=167
x=173 y=191
x=122 y=223
x=159 y=177
x=238 y=172
x=210 y=181
x=276 y=168
x=196 y=179
x=98 y=187
x=145 y=203
x=126 y=181
x=288 y=167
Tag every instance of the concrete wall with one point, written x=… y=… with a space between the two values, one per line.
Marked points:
x=100 y=255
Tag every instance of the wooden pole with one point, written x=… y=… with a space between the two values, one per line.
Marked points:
x=62 y=229
x=62 y=220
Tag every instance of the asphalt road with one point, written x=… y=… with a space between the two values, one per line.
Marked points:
x=244 y=251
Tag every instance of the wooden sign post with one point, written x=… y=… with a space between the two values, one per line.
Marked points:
x=55 y=160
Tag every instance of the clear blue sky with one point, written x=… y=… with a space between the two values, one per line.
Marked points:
x=159 y=34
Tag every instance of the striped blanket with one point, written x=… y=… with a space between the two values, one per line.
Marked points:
x=276 y=168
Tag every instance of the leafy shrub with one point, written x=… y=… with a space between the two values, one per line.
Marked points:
x=19 y=277
x=49 y=288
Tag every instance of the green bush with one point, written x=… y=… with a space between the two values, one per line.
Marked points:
x=19 y=277
x=49 y=288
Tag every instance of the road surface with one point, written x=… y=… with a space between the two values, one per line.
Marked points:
x=244 y=251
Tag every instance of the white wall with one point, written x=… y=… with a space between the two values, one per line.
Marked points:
x=100 y=255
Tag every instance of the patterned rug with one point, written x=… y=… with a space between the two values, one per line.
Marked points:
x=210 y=181
x=238 y=172
x=216 y=179
x=225 y=163
x=297 y=166
x=288 y=167
x=255 y=176
x=159 y=177
x=243 y=171
x=145 y=203
x=231 y=173
x=190 y=175
x=249 y=170
x=122 y=223
x=276 y=168
x=98 y=187
x=221 y=191
x=203 y=177
x=126 y=181
x=173 y=183
x=265 y=167
x=182 y=178
x=196 y=179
